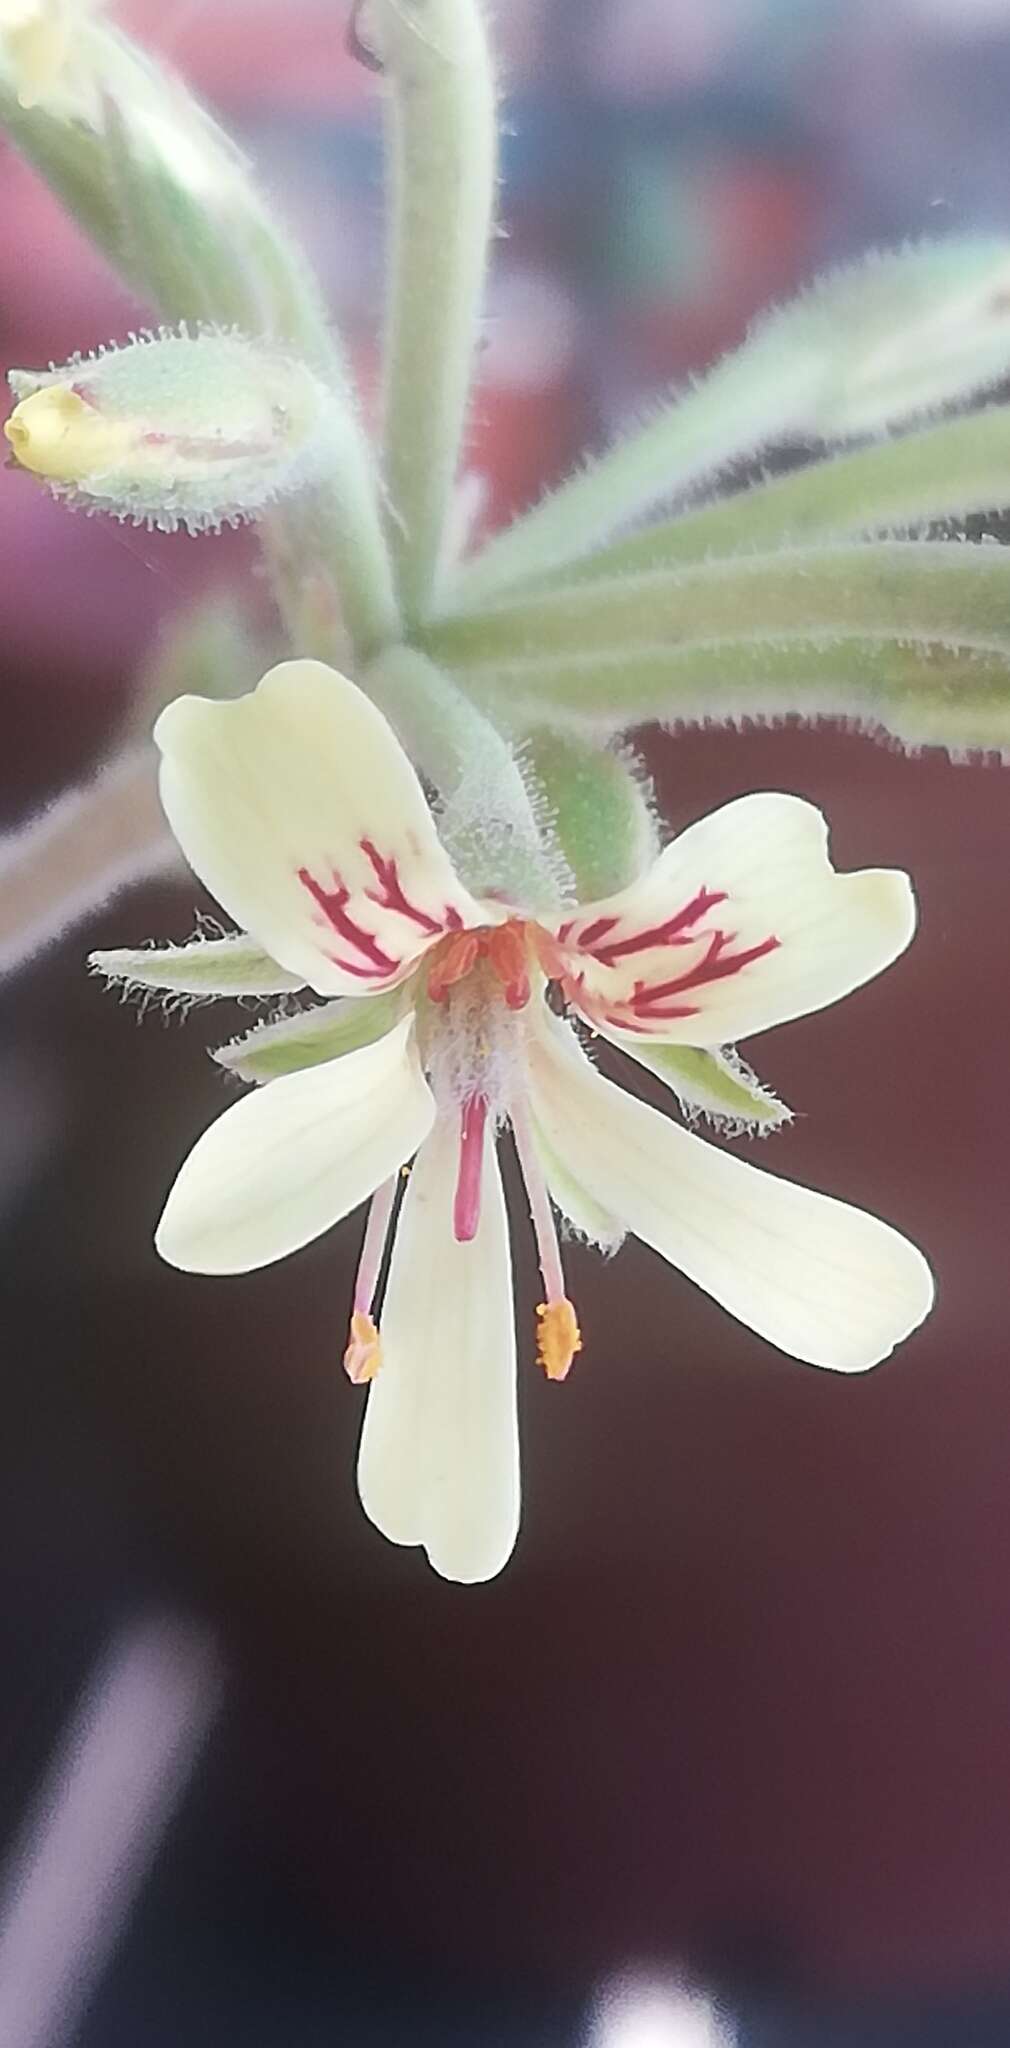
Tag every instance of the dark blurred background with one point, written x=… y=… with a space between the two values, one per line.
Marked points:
x=740 y=1706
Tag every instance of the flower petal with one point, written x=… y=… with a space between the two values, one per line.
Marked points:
x=282 y=1165
x=439 y=1459
x=827 y=1283
x=740 y=924
x=578 y=1208
x=299 y=810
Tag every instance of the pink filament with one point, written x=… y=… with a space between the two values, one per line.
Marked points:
x=548 y=1249
x=380 y=1210
x=466 y=1206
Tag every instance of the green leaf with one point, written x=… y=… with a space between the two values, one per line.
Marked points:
x=312 y=1037
x=232 y=966
x=954 y=592
x=942 y=473
x=897 y=335
x=922 y=694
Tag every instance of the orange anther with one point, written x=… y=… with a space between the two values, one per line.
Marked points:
x=508 y=954
x=550 y=955
x=363 y=1356
x=558 y=1337
x=450 y=962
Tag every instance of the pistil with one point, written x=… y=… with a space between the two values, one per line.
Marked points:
x=466 y=1206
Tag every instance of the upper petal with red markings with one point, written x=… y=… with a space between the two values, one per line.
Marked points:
x=740 y=924
x=300 y=812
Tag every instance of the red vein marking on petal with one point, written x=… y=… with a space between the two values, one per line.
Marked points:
x=650 y=1002
x=592 y=934
x=332 y=903
x=715 y=966
x=675 y=930
x=390 y=894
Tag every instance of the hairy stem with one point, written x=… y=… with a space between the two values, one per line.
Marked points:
x=70 y=859
x=442 y=153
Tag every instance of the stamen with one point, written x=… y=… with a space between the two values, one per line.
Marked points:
x=451 y=962
x=466 y=1207
x=380 y=1210
x=363 y=1355
x=558 y=1335
x=507 y=953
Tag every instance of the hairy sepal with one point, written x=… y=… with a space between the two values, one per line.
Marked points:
x=715 y=1085
x=198 y=429
x=205 y=967
x=311 y=1037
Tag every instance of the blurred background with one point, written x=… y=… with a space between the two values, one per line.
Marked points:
x=738 y=1713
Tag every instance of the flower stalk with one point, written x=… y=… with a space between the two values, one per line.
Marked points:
x=441 y=168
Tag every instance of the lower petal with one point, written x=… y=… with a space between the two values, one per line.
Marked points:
x=826 y=1283
x=282 y=1165
x=439 y=1459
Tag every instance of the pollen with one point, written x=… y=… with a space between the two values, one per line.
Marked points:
x=558 y=1337
x=363 y=1356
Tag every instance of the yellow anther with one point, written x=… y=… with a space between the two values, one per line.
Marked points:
x=558 y=1337
x=56 y=434
x=363 y=1356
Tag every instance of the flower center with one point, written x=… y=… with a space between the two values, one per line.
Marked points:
x=504 y=947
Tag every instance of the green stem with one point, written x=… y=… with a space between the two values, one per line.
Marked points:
x=442 y=155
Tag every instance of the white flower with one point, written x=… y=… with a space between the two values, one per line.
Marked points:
x=300 y=812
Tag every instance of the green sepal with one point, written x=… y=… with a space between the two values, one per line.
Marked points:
x=716 y=1085
x=231 y=966
x=311 y=1037
x=598 y=803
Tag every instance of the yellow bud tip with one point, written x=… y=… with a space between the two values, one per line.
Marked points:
x=363 y=1356
x=558 y=1337
x=37 y=48
x=57 y=435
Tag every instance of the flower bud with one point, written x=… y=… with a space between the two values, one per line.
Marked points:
x=900 y=334
x=176 y=429
x=36 y=43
